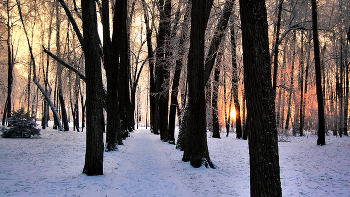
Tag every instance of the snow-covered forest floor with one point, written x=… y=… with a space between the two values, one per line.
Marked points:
x=52 y=166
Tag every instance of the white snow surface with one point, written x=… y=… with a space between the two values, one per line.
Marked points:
x=144 y=166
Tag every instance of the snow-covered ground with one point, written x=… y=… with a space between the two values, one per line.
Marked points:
x=52 y=166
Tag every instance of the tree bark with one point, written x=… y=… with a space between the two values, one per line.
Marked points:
x=346 y=104
x=261 y=123
x=291 y=88
x=151 y=66
x=275 y=61
x=120 y=47
x=59 y=70
x=94 y=114
x=321 y=120
x=217 y=38
x=72 y=20
x=301 y=109
x=65 y=64
x=235 y=79
x=176 y=79
x=215 y=107
x=196 y=149
x=113 y=131
x=9 y=65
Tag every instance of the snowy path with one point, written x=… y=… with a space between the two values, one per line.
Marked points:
x=149 y=170
x=52 y=166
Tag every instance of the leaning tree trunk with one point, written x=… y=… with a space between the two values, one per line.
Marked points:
x=94 y=114
x=56 y=117
x=321 y=120
x=275 y=61
x=217 y=38
x=261 y=120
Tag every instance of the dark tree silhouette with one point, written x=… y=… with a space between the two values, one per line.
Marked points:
x=94 y=113
x=261 y=123
x=196 y=147
x=113 y=119
x=321 y=122
x=235 y=79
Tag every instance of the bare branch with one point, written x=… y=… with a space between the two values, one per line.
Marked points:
x=72 y=20
x=65 y=64
x=290 y=28
x=53 y=108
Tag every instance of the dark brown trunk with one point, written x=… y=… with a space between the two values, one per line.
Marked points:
x=215 y=107
x=235 y=79
x=196 y=147
x=151 y=65
x=261 y=123
x=275 y=61
x=94 y=114
x=321 y=119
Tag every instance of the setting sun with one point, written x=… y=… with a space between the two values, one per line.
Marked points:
x=233 y=114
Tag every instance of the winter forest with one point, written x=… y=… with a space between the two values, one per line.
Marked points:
x=254 y=79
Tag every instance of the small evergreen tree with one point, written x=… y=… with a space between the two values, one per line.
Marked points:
x=21 y=125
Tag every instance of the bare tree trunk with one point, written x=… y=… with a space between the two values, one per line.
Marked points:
x=275 y=61
x=217 y=38
x=176 y=79
x=48 y=90
x=113 y=133
x=28 y=85
x=346 y=104
x=196 y=147
x=151 y=66
x=228 y=101
x=235 y=80
x=245 y=129
x=340 y=91
x=162 y=73
x=215 y=106
x=94 y=114
x=321 y=120
x=301 y=116
x=261 y=119
x=121 y=41
x=59 y=69
x=291 y=88
x=9 y=65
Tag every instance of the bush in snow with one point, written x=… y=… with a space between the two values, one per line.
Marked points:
x=21 y=125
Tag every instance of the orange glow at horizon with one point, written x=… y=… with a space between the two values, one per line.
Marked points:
x=233 y=114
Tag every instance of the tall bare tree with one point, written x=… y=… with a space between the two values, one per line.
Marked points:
x=196 y=148
x=94 y=114
x=261 y=122
x=321 y=120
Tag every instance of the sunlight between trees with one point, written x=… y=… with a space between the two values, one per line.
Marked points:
x=261 y=69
